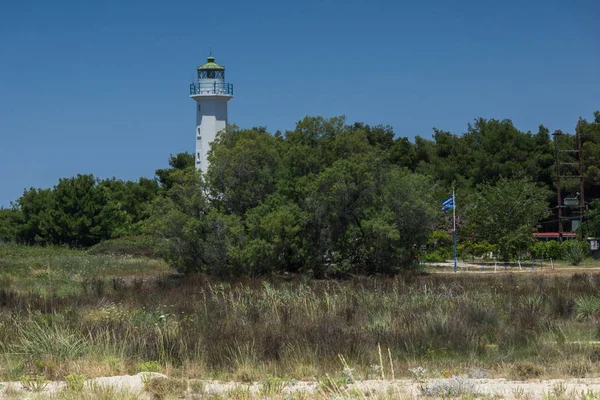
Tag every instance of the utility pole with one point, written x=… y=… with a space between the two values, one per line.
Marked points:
x=581 y=182
x=568 y=175
x=556 y=134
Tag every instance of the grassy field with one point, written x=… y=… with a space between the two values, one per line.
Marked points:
x=64 y=312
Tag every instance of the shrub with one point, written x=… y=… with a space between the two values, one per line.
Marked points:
x=75 y=382
x=34 y=383
x=440 y=255
x=468 y=249
x=51 y=341
x=587 y=307
x=554 y=250
x=575 y=251
x=438 y=239
x=546 y=250
x=538 y=250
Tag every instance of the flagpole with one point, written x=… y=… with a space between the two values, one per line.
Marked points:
x=454 y=225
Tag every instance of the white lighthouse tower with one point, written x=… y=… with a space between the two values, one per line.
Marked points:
x=211 y=93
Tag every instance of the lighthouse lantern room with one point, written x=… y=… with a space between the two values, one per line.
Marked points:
x=211 y=94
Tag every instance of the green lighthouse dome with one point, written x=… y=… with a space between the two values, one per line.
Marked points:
x=211 y=65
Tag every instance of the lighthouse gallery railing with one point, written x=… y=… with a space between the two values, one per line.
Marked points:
x=211 y=88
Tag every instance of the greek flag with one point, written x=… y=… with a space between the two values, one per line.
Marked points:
x=448 y=204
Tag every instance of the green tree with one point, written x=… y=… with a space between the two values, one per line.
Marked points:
x=275 y=236
x=338 y=199
x=591 y=222
x=243 y=168
x=507 y=213
x=35 y=206
x=591 y=153
x=11 y=221
x=133 y=197
x=82 y=213
x=193 y=236
x=179 y=162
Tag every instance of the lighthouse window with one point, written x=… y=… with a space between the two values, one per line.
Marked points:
x=198 y=155
x=199 y=109
x=211 y=74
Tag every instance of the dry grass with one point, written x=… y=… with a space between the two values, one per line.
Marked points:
x=247 y=330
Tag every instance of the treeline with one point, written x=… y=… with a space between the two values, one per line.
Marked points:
x=326 y=198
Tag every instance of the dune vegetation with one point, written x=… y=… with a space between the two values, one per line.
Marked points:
x=66 y=312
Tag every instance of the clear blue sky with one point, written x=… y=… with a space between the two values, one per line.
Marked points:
x=102 y=87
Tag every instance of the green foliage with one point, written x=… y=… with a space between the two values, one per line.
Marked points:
x=242 y=170
x=82 y=214
x=439 y=247
x=274 y=236
x=546 y=250
x=439 y=255
x=507 y=213
x=575 y=251
x=81 y=211
x=75 y=382
x=439 y=238
x=133 y=197
x=476 y=249
x=149 y=366
x=587 y=308
x=47 y=341
x=192 y=236
x=591 y=149
x=10 y=221
x=274 y=207
x=326 y=198
x=35 y=206
x=179 y=162
x=34 y=383
x=591 y=222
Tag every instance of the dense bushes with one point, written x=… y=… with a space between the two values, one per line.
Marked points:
x=79 y=211
x=325 y=198
x=573 y=251
x=357 y=214
x=546 y=250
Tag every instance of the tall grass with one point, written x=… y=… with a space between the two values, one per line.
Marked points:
x=250 y=329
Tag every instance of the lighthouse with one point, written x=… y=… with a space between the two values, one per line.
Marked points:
x=211 y=94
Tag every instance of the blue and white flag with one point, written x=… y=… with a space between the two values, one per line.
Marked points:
x=448 y=204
